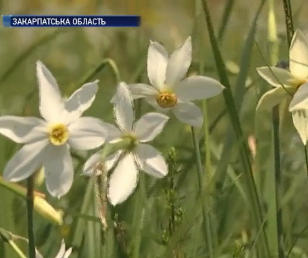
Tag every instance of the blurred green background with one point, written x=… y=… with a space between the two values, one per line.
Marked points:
x=72 y=53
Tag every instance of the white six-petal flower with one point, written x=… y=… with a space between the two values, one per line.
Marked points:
x=63 y=253
x=48 y=140
x=286 y=82
x=169 y=91
x=124 y=179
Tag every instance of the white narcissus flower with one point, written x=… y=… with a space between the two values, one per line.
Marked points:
x=288 y=82
x=48 y=140
x=292 y=84
x=169 y=91
x=123 y=180
x=61 y=254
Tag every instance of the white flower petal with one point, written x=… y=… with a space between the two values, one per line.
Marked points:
x=141 y=90
x=80 y=101
x=67 y=253
x=90 y=165
x=37 y=254
x=300 y=99
x=157 y=64
x=151 y=161
x=95 y=159
x=62 y=253
x=179 y=63
x=198 y=87
x=113 y=132
x=87 y=133
x=25 y=162
x=123 y=180
x=299 y=55
x=277 y=76
x=300 y=121
x=123 y=108
x=59 y=170
x=149 y=126
x=23 y=129
x=62 y=250
x=272 y=98
x=51 y=103
x=112 y=159
x=188 y=113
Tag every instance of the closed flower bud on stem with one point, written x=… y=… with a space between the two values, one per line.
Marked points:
x=42 y=207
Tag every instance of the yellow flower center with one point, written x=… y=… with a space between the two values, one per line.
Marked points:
x=58 y=134
x=166 y=99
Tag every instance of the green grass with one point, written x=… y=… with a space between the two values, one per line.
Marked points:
x=220 y=199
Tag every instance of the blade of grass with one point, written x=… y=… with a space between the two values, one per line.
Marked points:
x=23 y=56
x=273 y=180
x=225 y=19
x=256 y=212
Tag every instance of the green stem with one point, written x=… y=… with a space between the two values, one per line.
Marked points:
x=225 y=19
x=17 y=250
x=208 y=173
x=138 y=217
x=278 y=182
x=30 y=205
x=110 y=234
x=8 y=238
x=275 y=211
x=289 y=20
x=79 y=225
x=205 y=214
x=113 y=147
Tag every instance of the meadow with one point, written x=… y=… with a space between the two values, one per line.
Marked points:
x=236 y=188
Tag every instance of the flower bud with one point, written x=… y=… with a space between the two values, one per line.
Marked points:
x=42 y=207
